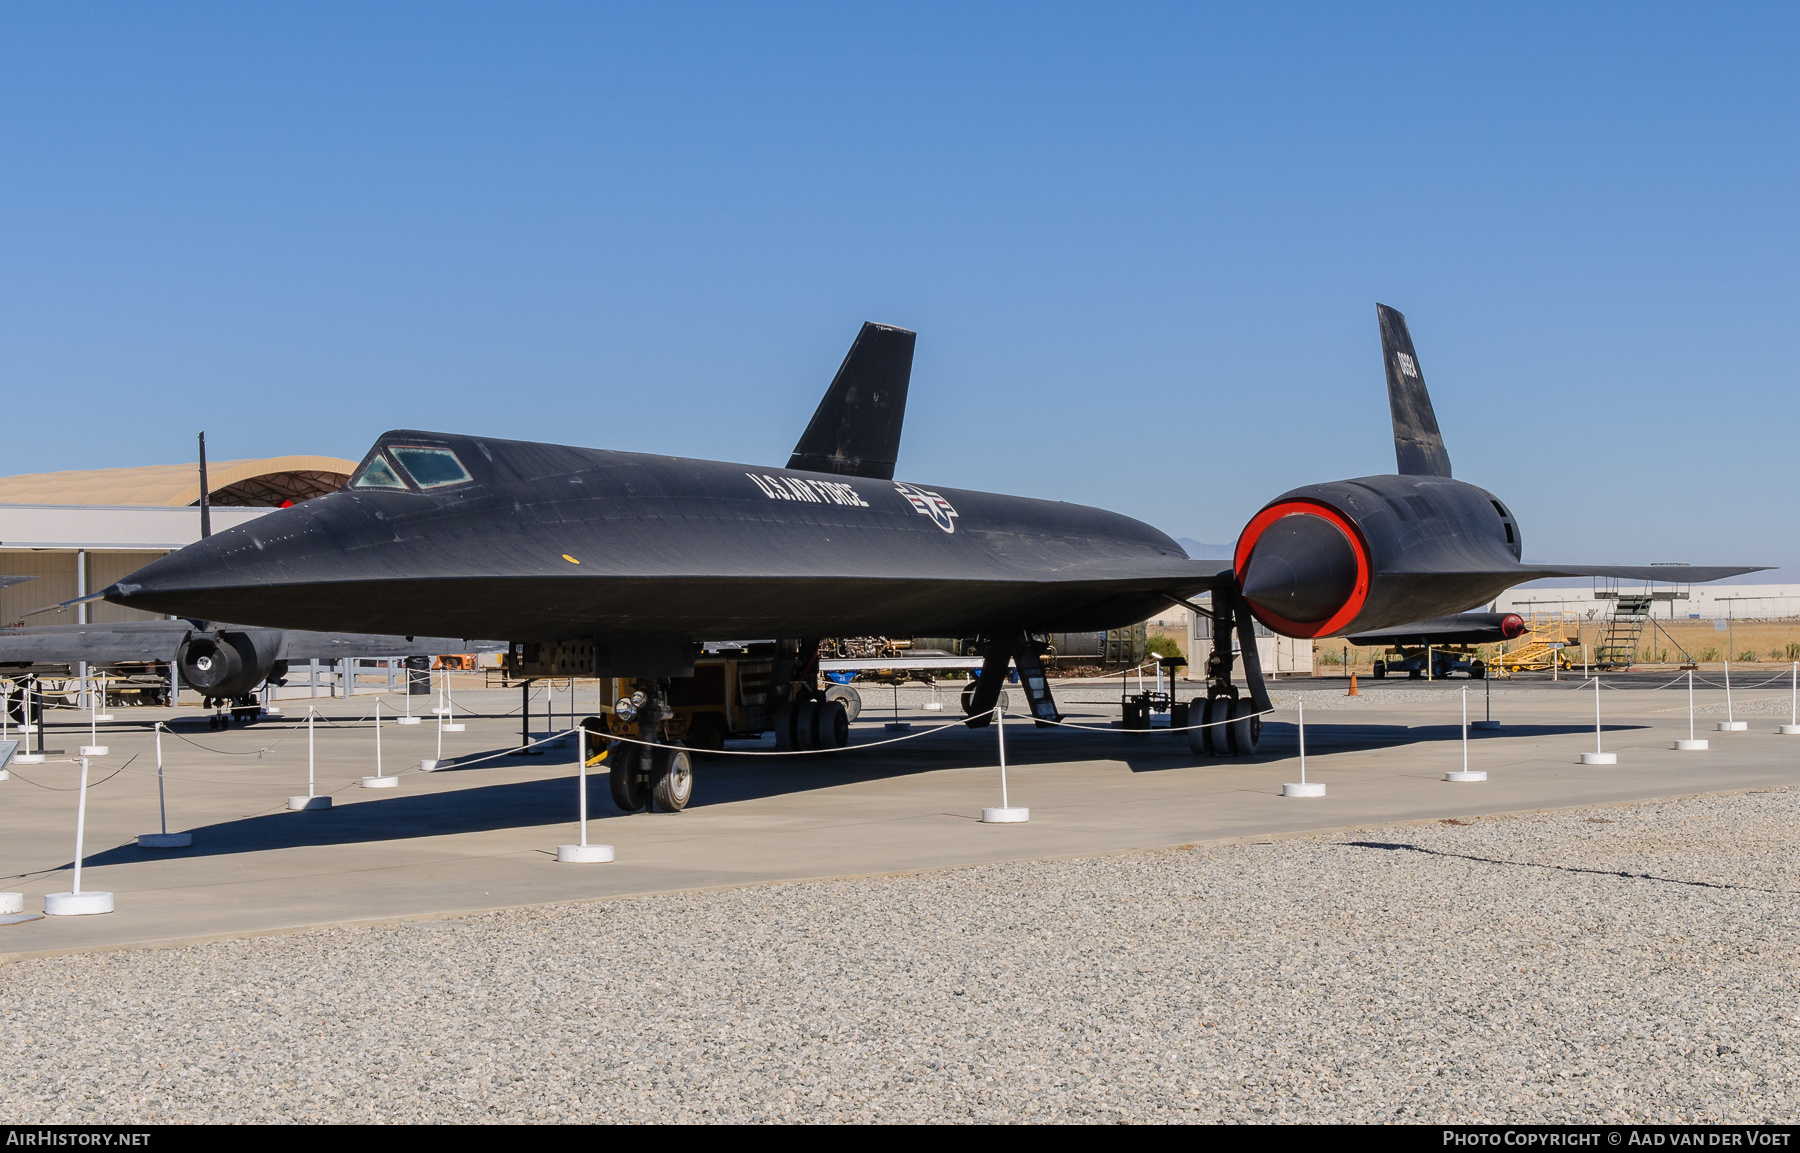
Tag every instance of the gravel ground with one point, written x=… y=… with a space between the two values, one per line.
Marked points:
x=1632 y=963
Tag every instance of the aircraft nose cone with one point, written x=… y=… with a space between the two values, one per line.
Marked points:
x=1302 y=568
x=169 y=584
x=261 y=569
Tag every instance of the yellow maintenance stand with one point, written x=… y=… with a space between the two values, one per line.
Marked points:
x=1548 y=638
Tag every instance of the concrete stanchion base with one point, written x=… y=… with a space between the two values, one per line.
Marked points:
x=103 y=718
x=1472 y=775
x=429 y=766
x=1005 y=816
x=77 y=904
x=95 y=750
x=1784 y=730
x=439 y=711
x=1690 y=746
x=165 y=840
x=1599 y=758
x=584 y=854
x=1306 y=789
x=456 y=728
x=406 y=720
x=271 y=712
x=5 y=775
x=380 y=782
x=1484 y=724
x=933 y=706
x=28 y=759
x=298 y=804
x=12 y=902
x=1733 y=726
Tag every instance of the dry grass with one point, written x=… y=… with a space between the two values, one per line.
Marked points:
x=1766 y=641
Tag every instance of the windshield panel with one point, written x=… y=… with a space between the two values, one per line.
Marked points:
x=431 y=467
x=378 y=473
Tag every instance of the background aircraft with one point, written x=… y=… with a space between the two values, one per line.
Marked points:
x=620 y=563
x=1444 y=642
x=226 y=664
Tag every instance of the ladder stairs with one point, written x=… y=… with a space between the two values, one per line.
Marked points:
x=1619 y=649
x=1533 y=651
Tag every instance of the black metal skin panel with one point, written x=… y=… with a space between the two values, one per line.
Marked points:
x=665 y=545
x=1436 y=545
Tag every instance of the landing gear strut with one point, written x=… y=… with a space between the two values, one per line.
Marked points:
x=1231 y=726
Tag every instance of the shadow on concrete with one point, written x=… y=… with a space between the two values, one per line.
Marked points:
x=725 y=780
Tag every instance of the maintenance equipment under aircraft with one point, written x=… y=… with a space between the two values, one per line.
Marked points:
x=620 y=564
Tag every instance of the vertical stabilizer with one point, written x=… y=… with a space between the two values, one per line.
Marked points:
x=205 y=497
x=1418 y=446
x=856 y=429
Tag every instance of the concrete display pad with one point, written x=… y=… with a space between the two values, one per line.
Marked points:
x=472 y=837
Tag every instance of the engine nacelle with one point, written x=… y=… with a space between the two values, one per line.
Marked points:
x=1354 y=556
x=223 y=665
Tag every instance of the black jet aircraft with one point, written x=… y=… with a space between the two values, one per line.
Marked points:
x=622 y=562
x=226 y=664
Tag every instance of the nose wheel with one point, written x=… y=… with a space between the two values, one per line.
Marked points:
x=657 y=775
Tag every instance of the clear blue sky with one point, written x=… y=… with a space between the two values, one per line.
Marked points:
x=658 y=227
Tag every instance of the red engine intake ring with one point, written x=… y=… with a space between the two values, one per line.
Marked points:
x=1358 y=593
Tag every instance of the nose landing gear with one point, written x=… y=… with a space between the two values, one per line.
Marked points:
x=659 y=774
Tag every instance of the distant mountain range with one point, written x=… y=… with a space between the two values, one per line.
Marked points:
x=1202 y=551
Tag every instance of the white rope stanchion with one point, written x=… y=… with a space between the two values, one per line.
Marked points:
x=1598 y=756
x=164 y=839
x=448 y=721
x=582 y=853
x=1465 y=774
x=1005 y=814
x=1730 y=724
x=311 y=800
x=1792 y=728
x=1691 y=745
x=1302 y=787
x=408 y=719
x=33 y=723
x=93 y=748
x=380 y=780
x=1487 y=721
x=76 y=903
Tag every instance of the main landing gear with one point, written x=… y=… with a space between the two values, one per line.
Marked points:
x=807 y=717
x=1230 y=724
x=244 y=710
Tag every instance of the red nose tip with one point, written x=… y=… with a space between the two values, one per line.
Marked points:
x=1512 y=625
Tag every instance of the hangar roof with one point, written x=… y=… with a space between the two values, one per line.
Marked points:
x=261 y=483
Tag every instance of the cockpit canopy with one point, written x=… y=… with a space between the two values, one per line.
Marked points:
x=410 y=467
